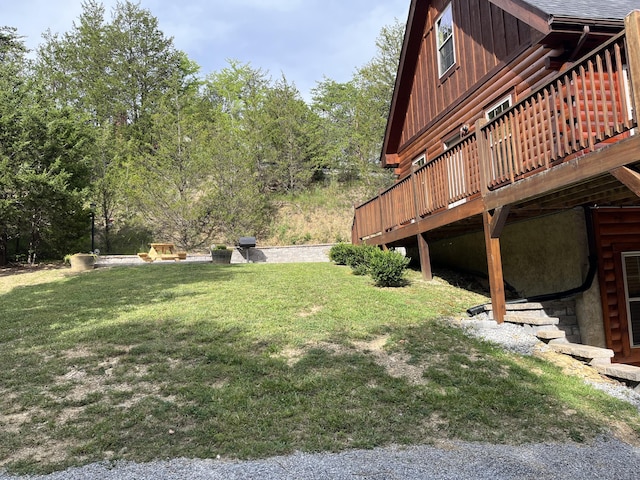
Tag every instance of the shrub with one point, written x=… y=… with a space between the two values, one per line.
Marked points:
x=359 y=258
x=388 y=268
x=340 y=252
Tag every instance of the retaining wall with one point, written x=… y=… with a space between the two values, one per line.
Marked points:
x=289 y=254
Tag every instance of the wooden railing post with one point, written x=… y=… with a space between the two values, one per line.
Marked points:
x=632 y=26
x=381 y=212
x=484 y=156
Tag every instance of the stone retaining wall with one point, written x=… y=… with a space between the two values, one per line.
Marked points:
x=289 y=254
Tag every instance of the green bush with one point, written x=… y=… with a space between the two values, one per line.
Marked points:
x=340 y=252
x=359 y=258
x=388 y=268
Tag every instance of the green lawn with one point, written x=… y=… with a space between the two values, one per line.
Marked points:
x=248 y=361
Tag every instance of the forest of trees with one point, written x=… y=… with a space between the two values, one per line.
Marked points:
x=111 y=119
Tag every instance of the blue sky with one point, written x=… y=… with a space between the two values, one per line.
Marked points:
x=304 y=39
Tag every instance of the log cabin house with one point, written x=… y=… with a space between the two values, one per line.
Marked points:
x=513 y=135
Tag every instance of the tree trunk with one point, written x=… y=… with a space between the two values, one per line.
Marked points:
x=4 y=241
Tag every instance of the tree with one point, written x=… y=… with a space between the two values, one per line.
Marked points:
x=291 y=139
x=118 y=73
x=233 y=102
x=42 y=159
x=355 y=112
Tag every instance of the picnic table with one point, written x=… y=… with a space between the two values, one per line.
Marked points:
x=162 y=251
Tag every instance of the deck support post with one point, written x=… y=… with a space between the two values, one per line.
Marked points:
x=493 y=223
x=425 y=259
x=632 y=27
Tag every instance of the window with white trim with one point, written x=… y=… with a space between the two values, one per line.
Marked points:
x=419 y=161
x=631 y=268
x=444 y=39
x=497 y=108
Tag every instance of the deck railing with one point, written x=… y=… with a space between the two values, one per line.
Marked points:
x=579 y=111
x=440 y=184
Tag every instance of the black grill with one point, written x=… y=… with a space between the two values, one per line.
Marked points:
x=247 y=242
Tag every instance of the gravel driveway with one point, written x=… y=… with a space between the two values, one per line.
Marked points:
x=604 y=459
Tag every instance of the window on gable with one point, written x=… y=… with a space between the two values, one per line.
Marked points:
x=446 y=48
x=419 y=161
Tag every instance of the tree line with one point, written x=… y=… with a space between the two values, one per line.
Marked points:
x=109 y=119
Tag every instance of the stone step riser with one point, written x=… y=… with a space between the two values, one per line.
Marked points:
x=586 y=353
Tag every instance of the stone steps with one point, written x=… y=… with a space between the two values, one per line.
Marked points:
x=531 y=320
x=590 y=355
x=627 y=373
x=549 y=334
x=552 y=330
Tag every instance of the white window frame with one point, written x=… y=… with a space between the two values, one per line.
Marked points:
x=628 y=299
x=441 y=43
x=498 y=106
x=419 y=161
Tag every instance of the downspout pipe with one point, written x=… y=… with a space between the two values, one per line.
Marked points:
x=547 y=297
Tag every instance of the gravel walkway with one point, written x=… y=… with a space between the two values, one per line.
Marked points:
x=606 y=458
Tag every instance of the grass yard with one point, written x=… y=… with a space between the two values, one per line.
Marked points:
x=249 y=361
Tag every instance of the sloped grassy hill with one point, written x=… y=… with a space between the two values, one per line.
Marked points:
x=321 y=215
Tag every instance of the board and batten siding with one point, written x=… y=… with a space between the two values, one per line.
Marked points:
x=487 y=39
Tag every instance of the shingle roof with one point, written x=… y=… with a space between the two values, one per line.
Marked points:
x=591 y=9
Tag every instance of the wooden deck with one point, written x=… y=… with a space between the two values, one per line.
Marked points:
x=577 y=129
x=573 y=141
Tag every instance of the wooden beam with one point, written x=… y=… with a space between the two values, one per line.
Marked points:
x=572 y=172
x=499 y=220
x=630 y=178
x=632 y=27
x=527 y=13
x=494 y=264
x=425 y=259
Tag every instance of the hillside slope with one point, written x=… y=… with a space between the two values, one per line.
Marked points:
x=320 y=215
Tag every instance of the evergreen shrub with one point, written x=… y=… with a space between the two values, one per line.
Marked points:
x=388 y=269
x=339 y=253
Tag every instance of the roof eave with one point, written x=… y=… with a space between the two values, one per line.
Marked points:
x=416 y=20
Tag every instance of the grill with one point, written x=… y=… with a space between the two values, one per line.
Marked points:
x=245 y=244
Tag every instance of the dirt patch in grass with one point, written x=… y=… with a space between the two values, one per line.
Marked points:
x=395 y=364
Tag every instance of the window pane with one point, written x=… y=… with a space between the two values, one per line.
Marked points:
x=446 y=56
x=444 y=40
x=632 y=267
x=445 y=26
x=634 y=310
